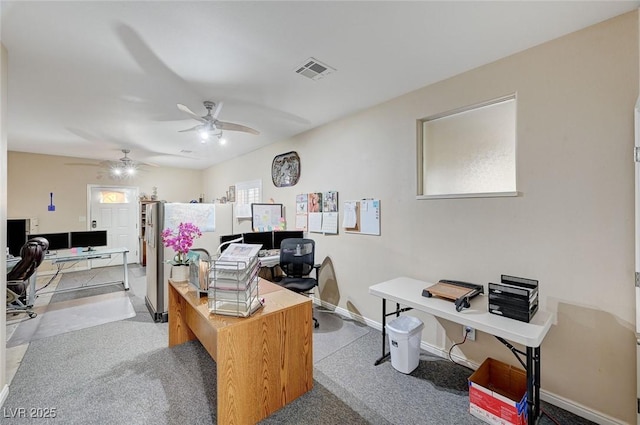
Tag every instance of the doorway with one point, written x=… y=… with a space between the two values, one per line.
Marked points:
x=114 y=209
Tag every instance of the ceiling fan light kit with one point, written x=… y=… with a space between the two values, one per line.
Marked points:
x=124 y=168
x=123 y=171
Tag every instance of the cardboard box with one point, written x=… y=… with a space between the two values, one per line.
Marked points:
x=498 y=393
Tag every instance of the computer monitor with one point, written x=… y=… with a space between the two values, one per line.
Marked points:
x=228 y=238
x=263 y=238
x=56 y=240
x=88 y=239
x=279 y=236
x=16 y=236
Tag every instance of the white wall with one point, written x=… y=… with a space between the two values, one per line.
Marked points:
x=571 y=228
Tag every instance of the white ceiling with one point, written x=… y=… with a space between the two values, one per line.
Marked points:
x=88 y=78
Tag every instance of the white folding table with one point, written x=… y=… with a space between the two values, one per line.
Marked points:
x=407 y=292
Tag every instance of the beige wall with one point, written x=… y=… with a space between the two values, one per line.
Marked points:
x=572 y=227
x=32 y=177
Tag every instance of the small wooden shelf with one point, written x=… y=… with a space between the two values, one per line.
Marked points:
x=142 y=251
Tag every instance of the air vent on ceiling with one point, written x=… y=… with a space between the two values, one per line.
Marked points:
x=314 y=69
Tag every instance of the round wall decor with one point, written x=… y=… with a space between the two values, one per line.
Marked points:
x=285 y=169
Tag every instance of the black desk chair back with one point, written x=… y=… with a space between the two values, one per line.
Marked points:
x=31 y=256
x=297 y=261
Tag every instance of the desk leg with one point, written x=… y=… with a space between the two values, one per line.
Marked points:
x=384 y=334
x=126 y=271
x=533 y=385
x=536 y=353
x=384 y=327
x=31 y=296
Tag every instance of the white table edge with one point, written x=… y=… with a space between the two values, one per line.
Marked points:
x=477 y=316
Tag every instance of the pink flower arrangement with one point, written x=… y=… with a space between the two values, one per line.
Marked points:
x=182 y=241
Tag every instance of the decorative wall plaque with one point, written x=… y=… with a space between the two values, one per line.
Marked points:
x=285 y=169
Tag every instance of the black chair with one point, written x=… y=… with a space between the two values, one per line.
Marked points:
x=31 y=256
x=297 y=262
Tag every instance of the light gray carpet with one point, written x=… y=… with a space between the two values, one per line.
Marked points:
x=66 y=316
x=400 y=398
x=123 y=372
x=335 y=332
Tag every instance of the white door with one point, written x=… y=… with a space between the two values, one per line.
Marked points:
x=114 y=209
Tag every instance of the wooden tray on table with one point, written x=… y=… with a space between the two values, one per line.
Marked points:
x=457 y=291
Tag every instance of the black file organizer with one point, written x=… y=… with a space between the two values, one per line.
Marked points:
x=514 y=297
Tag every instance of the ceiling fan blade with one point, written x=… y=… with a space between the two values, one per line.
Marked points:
x=197 y=127
x=83 y=164
x=217 y=111
x=235 y=127
x=191 y=113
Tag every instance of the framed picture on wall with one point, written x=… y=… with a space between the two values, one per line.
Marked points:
x=231 y=195
x=267 y=217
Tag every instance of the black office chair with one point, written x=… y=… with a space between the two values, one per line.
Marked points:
x=297 y=262
x=31 y=255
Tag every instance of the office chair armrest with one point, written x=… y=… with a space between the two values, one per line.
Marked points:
x=316 y=267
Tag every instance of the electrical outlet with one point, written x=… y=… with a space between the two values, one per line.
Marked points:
x=469 y=332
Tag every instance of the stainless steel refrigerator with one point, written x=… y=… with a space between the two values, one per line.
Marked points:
x=158 y=268
x=156 y=299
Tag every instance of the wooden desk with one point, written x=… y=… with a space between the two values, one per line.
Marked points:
x=263 y=362
x=408 y=292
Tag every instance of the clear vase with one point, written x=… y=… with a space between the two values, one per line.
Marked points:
x=180 y=273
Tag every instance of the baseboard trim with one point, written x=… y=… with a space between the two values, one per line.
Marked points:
x=556 y=400
x=579 y=409
x=4 y=394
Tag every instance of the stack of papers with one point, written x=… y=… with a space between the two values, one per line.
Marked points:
x=240 y=252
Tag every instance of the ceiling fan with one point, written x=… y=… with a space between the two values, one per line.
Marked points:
x=124 y=167
x=210 y=123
